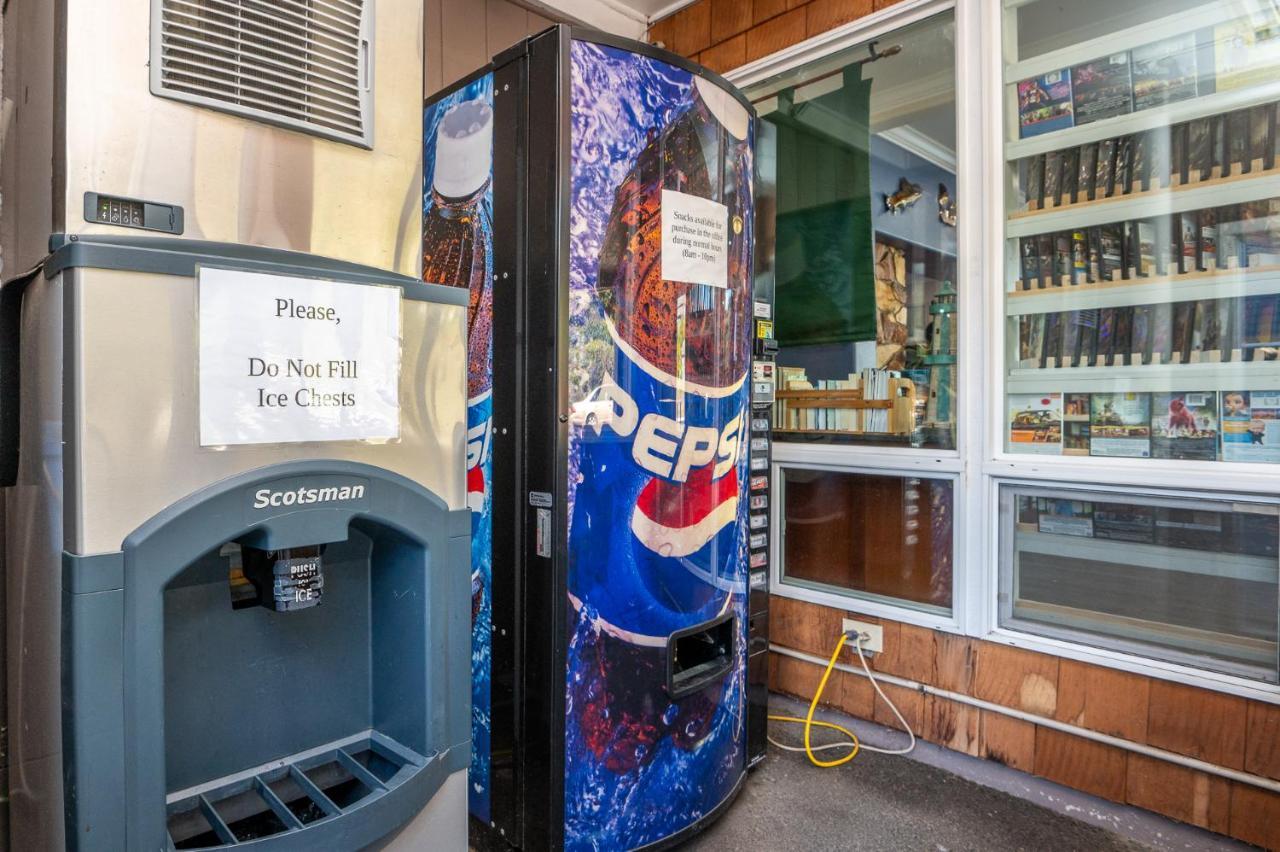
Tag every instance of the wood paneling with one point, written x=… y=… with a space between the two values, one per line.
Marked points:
x=1083 y=764
x=828 y=14
x=691 y=29
x=1178 y=792
x=804 y=626
x=1104 y=700
x=910 y=703
x=664 y=32
x=951 y=724
x=775 y=34
x=953 y=662
x=915 y=654
x=726 y=55
x=1255 y=816
x=797 y=678
x=1262 y=743
x=857 y=696
x=1007 y=740
x=763 y=10
x=1016 y=678
x=729 y=18
x=1198 y=723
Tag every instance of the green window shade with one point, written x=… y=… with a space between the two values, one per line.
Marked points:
x=825 y=262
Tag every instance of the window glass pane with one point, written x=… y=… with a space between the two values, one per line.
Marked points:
x=858 y=232
x=886 y=537
x=1142 y=259
x=1188 y=580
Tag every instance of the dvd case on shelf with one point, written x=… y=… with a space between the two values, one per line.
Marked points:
x=1102 y=88
x=1044 y=104
x=1164 y=71
x=1143 y=322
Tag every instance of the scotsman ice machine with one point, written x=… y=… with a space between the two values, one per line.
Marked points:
x=233 y=420
x=594 y=195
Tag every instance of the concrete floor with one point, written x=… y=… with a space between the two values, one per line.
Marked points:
x=922 y=802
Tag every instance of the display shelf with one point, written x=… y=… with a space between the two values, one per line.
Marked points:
x=900 y=406
x=1155 y=290
x=1216 y=563
x=1147 y=119
x=1074 y=620
x=1207 y=15
x=1196 y=195
x=1147 y=378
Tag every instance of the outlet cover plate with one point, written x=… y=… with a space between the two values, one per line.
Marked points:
x=874 y=644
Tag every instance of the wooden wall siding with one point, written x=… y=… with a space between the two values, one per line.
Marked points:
x=1221 y=729
x=723 y=34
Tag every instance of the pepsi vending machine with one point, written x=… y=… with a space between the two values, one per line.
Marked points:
x=595 y=196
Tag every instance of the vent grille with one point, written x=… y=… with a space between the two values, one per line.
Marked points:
x=303 y=64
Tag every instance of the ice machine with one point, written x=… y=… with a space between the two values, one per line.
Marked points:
x=232 y=423
x=594 y=196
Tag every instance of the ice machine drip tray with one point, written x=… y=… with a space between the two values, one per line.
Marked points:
x=290 y=794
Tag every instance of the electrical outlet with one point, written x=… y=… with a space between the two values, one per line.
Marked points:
x=873 y=641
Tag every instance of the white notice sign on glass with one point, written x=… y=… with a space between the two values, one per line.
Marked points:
x=285 y=359
x=695 y=239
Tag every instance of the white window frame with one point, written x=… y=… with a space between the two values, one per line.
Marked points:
x=902 y=461
x=880 y=606
x=982 y=462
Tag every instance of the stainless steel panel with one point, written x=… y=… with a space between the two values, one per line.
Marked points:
x=33 y=577
x=239 y=180
x=137 y=448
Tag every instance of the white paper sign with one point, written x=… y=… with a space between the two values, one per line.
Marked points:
x=695 y=239
x=286 y=359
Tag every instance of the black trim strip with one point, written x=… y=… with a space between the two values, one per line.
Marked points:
x=11 y=295
x=181 y=257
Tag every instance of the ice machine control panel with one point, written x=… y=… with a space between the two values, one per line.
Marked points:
x=132 y=213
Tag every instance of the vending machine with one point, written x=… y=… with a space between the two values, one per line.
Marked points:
x=232 y=435
x=595 y=197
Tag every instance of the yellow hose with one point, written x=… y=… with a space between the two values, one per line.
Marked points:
x=809 y=723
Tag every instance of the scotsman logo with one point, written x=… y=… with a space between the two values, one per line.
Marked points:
x=304 y=496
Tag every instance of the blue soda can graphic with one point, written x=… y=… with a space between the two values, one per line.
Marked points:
x=658 y=453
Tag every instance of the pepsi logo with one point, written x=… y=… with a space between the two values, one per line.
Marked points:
x=666 y=447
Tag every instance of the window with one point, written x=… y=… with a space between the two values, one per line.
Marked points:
x=881 y=537
x=1191 y=580
x=1142 y=226
x=858 y=154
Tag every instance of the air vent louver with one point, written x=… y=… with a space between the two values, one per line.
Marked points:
x=302 y=64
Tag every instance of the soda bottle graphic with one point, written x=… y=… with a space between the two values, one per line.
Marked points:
x=657 y=540
x=457 y=228
x=458 y=251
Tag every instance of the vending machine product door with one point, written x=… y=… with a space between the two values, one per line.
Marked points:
x=608 y=252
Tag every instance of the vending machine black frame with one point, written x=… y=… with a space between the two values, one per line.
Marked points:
x=531 y=192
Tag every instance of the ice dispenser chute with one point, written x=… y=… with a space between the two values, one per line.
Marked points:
x=334 y=720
